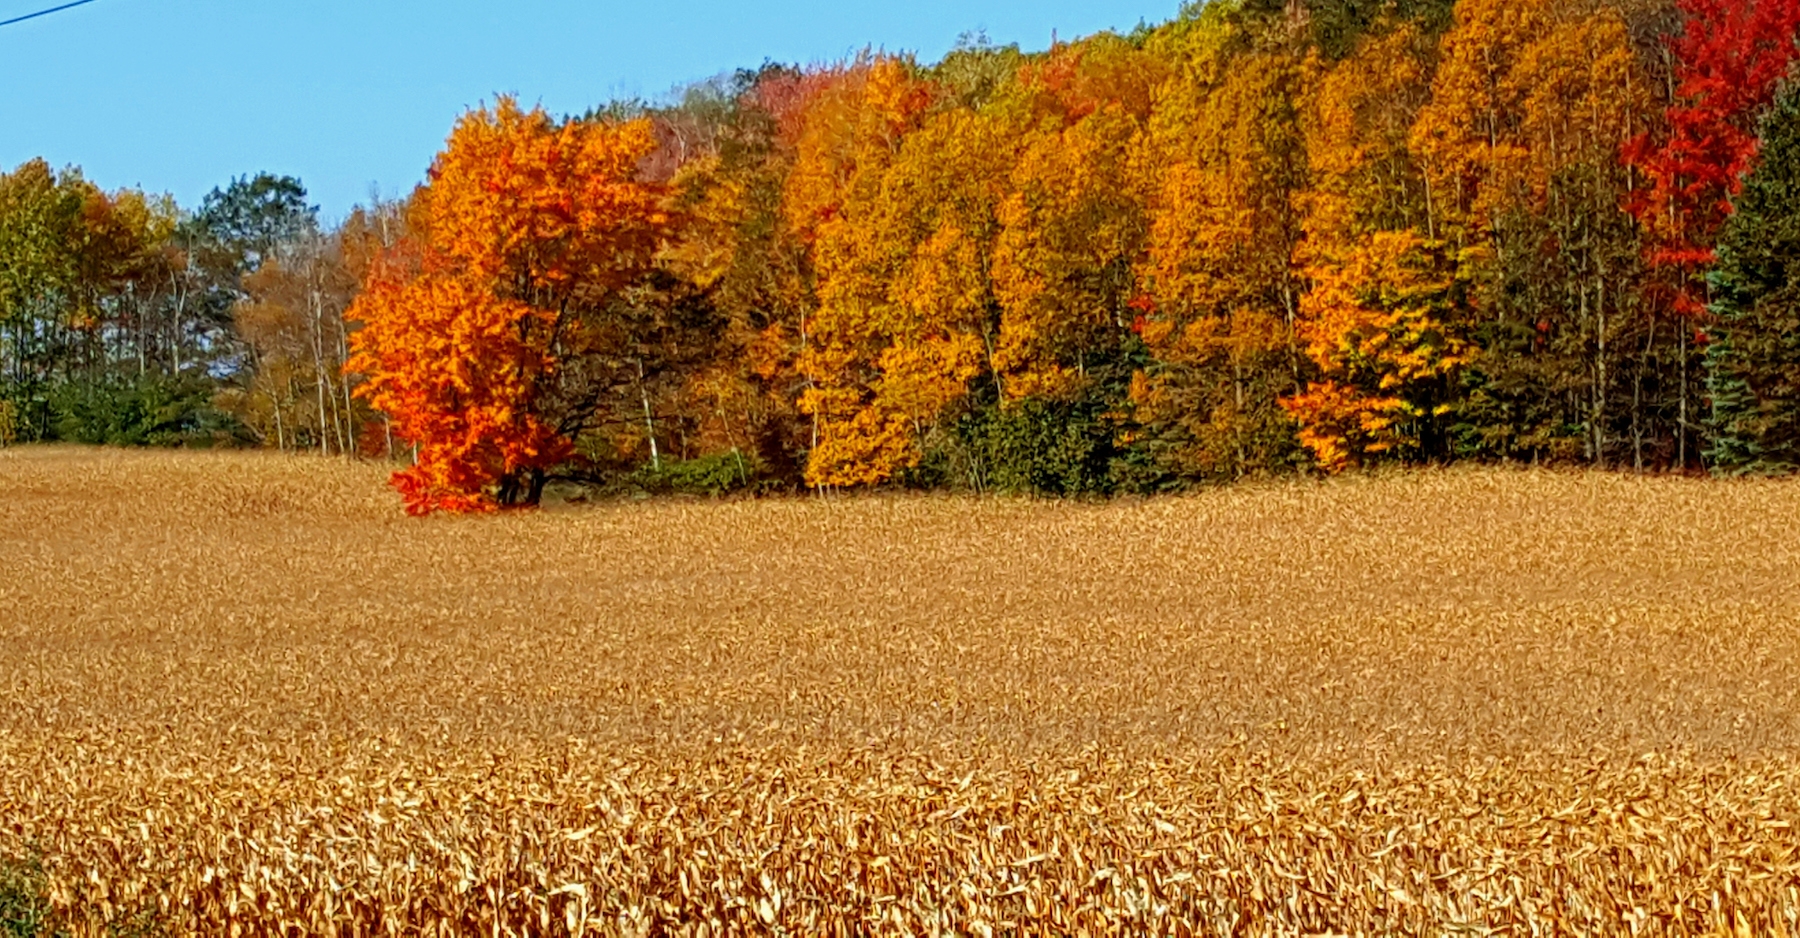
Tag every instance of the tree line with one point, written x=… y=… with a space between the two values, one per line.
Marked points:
x=125 y=319
x=1263 y=237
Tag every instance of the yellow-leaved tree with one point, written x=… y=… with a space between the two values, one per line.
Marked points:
x=902 y=229
x=1375 y=325
x=1520 y=145
x=1383 y=319
x=1073 y=225
x=1220 y=291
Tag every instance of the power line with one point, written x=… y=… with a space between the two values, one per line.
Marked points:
x=33 y=16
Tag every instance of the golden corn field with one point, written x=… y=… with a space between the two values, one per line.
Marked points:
x=245 y=696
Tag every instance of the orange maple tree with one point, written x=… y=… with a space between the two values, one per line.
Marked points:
x=473 y=329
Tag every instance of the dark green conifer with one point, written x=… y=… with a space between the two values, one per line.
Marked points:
x=1753 y=359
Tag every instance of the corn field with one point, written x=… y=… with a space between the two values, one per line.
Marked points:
x=244 y=697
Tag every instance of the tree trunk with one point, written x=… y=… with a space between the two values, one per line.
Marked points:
x=280 y=433
x=649 y=422
x=1681 y=422
x=1637 y=400
x=350 y=429
x=1600 y=367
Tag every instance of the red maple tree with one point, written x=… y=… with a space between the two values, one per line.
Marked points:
x=1731 y=57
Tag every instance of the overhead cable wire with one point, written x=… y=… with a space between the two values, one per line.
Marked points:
x=33 y=16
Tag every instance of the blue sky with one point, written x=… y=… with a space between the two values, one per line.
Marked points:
x=180 y=95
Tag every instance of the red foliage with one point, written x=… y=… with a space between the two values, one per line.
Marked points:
x=786 y=94
x=1731 y=58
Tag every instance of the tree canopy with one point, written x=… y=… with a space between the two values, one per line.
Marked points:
x=1261 y=237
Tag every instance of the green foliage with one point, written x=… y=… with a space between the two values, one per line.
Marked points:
x=1333 y=26
x=1103 y=267
x=1540 y=391
x=1223 y=431
x=1753 y=360
x=148 y=411
x=714 y=475
x=1032 y=447
x=96 y=286
x=27 y=414
x=1337 y=25
x=24 y=909
x=247 y=220
x=976 y=70
x=144 y=922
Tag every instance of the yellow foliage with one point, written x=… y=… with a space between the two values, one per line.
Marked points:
x=1062 y=268
x=905 y=305
x=1223 y=229
x=716 y=204
x=1527 y=89
x=1357 y=128
x=1376 y=325
x=1218 y=272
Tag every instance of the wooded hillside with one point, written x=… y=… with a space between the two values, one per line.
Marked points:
x=1258 y=238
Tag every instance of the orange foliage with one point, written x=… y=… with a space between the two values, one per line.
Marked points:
x=1217 y=272
x=899 y=212
x=526 y=225
x=1377 y=327
x=540 y=210
x=1363 y=176
x=1074 y=80
x=1277 y=247
x=1527 y=90
x=848 y=122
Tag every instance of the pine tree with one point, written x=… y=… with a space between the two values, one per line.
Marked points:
x=1753 y=361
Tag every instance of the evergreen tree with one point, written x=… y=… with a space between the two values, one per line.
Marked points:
x=1753 y=361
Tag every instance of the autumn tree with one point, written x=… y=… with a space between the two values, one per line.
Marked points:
x=497 y=333
x=292 y=320
x=1073 y=225
x=1220 y=290
x=1728 y=61
x=899 y=261
x=1384 y=317
x=977 y=265
x=1731 y=56
x=104 y=337
x=752 y=267
x=1380 y=325
x=1072 y=232
x=1529 y=108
